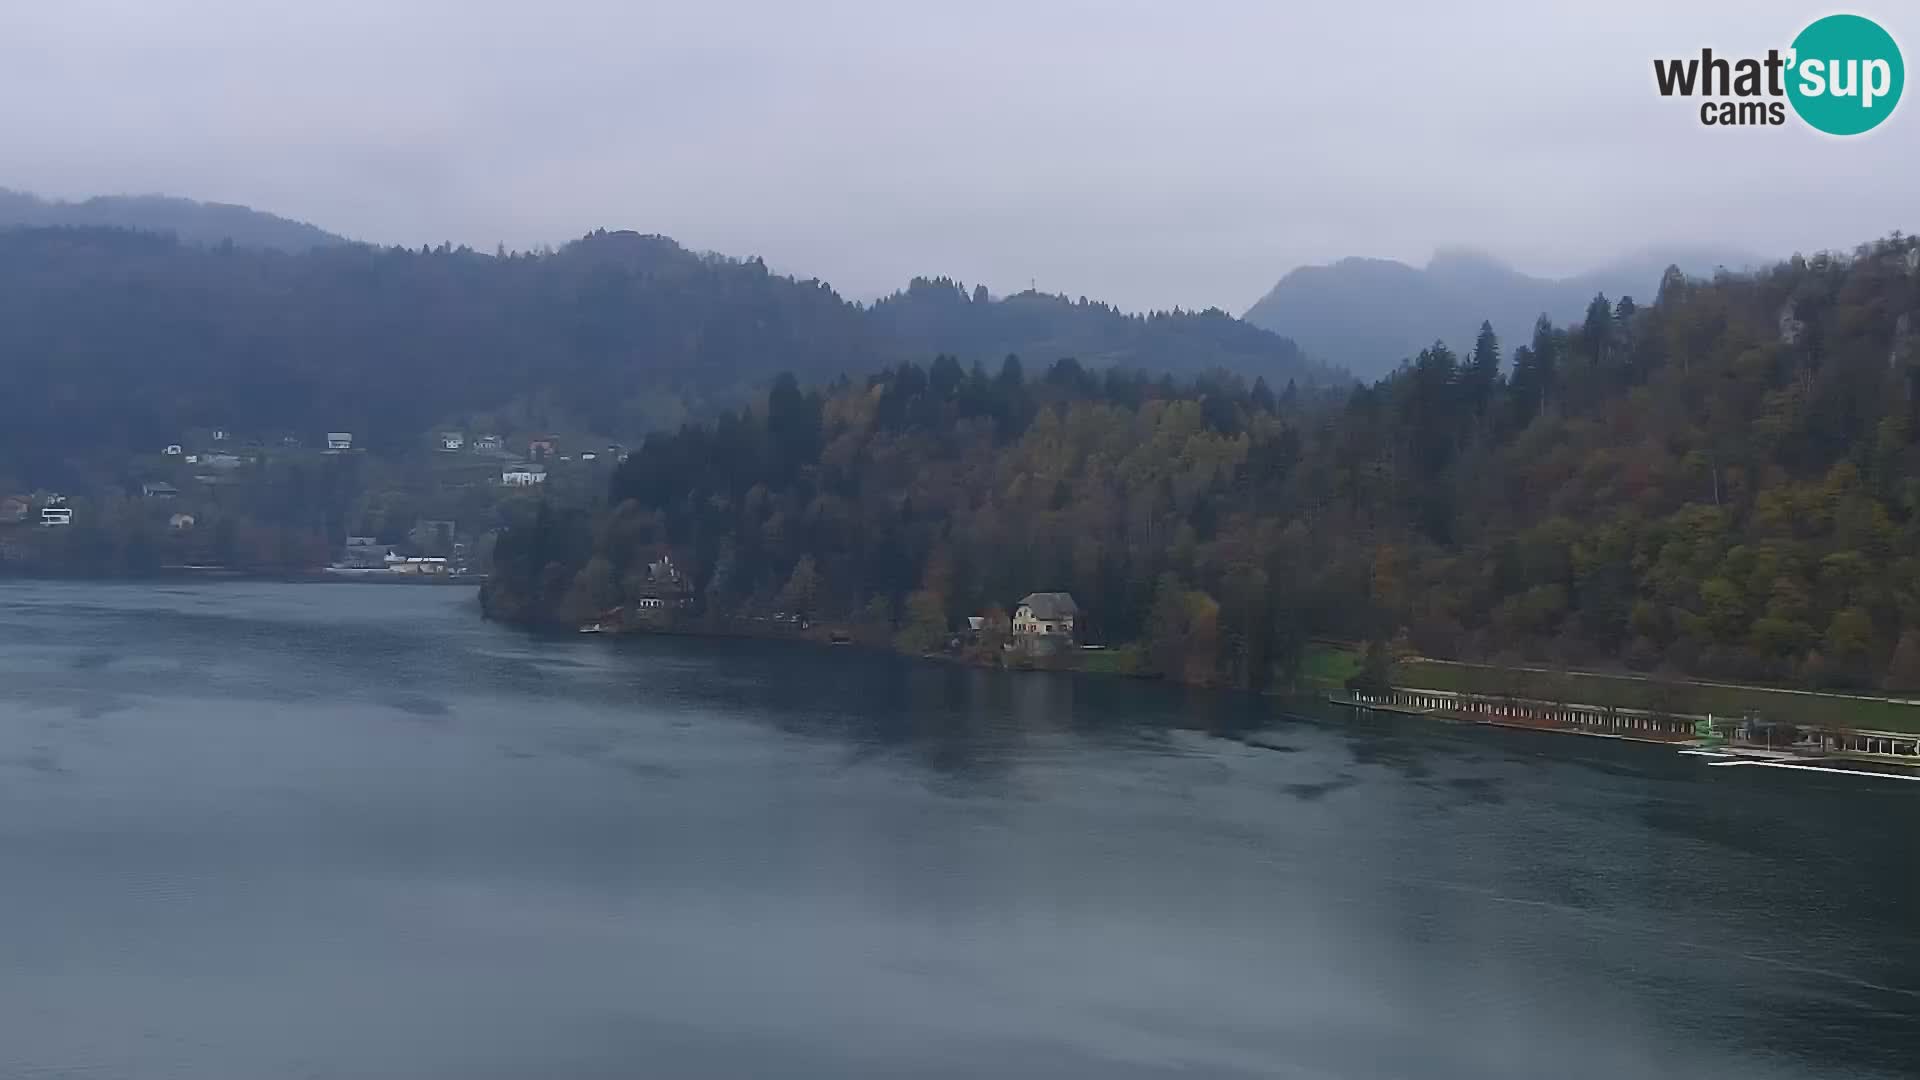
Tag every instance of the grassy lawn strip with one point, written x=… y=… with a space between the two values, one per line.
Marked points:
x=1327 y=667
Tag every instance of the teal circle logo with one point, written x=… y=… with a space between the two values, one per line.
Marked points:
x=1846 y=75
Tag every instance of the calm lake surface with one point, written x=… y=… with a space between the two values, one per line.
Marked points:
x=252 y=831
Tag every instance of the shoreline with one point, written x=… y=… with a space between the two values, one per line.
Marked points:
x=814 y=637
x=322 y=576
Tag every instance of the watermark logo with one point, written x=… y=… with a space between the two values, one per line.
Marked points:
x=1842 y=75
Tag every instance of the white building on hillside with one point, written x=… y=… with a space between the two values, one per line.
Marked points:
x=523 y=475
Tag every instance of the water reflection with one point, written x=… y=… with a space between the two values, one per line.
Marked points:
x=226 y=813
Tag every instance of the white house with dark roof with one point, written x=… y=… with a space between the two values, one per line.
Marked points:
x=1045 y=614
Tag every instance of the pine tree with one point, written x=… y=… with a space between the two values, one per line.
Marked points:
x=1596 y=333
x=1483 y=370
x=1262 y=396
x=1546 y=358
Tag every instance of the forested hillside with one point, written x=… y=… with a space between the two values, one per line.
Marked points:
x=937 y=316
x=200 y=223
x=1724 y=482
x=112 y=339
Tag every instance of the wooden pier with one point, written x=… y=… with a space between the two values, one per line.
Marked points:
x=1809 y=743
x=1534 y=715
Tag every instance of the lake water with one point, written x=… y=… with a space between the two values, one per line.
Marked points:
x=252 y=831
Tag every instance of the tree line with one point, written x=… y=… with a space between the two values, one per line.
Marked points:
x=114 y=341
x=1720 y=482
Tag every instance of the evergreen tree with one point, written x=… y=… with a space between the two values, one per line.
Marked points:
x=1482 y=373
x=1262 y=396
x=1596 y=333
x=1546 y=358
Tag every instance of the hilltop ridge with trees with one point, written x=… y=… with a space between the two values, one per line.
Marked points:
x=114 y=341
x=193 y=222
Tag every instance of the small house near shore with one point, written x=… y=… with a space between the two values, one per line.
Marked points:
x=1045 y=614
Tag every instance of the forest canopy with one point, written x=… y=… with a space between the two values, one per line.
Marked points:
x=113 y=340
x=1721 y=481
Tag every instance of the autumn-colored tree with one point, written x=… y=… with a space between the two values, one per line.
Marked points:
x=926 y=626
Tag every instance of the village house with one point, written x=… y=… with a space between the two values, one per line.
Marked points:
x=540 y=447
x=14 y=509
x=524 y=475
x=432 y=566
x=56 y=515
x=1045 y=614
x=180 y=523
x=159 y=489
x=452 y=441
x=174 y=450
x=221 y=461
x=661 y=571
x=488 y=444
x=664 y=586
x=338 y=441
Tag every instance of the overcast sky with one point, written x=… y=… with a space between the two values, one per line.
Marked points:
x=1178 y=152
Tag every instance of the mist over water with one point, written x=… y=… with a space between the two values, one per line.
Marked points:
x=253 y=830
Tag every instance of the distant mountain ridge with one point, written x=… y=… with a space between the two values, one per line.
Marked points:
x=203 y=224
x=116 y=338
x=1367 y=315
